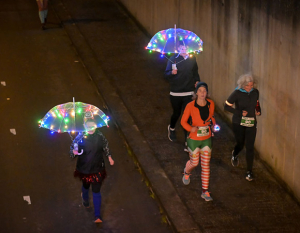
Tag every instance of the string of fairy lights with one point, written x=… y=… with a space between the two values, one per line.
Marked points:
x=164 y=41
x=65 y=118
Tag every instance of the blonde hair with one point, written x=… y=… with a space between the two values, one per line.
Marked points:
x=244 y=80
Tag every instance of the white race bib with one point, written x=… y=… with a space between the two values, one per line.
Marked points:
x=247 y=121
x=203 y=131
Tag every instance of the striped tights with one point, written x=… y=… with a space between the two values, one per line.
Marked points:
x=205 y=164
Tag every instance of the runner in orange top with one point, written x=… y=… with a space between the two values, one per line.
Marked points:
x=201 y=110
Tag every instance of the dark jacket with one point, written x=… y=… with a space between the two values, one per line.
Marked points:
x=243 y=102
x=95 y=147
x=187 y=74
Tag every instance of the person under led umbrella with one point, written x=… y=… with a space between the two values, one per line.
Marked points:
x=182 y=74
x=91 y=148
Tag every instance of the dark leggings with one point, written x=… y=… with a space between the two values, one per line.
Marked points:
x=245 y=136
x=178 y=104
x=95 y=186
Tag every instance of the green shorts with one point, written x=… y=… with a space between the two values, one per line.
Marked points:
x=194 y=144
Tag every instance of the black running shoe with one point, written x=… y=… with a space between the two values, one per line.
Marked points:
x=234 y=160
x=249 y=176
x=171 y=134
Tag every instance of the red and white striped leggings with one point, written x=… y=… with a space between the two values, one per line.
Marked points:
x=205 y=164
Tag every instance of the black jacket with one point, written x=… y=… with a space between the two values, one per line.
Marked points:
x=187 y=74
x=243 y=102
x=95 y=147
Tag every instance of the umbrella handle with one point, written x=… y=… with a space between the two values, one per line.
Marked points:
x=80 y=152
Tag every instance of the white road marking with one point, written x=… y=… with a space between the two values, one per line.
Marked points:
x=27 y=198
x=13 y=131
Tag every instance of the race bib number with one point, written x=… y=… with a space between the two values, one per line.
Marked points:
x=247 y=121
x=203 y=131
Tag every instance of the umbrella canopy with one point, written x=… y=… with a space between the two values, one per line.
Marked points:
x=167 y=41
x=69 y=117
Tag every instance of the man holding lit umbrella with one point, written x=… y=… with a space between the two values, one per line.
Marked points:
x=182 y=74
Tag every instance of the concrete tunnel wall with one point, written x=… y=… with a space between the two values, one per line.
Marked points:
x=257 y=36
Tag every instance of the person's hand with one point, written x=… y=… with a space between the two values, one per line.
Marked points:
x=111 y=161
x=174 y=72
x=244 y=113
x=257 y=113
x=194 y=129
x=75 y=152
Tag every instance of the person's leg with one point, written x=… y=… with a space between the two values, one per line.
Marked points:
x=45 y=10
x=185 y=101
x=176 y=106
x=176 y=103
x=194 y=153
x=205 y=165
x=97 y=200
x=250 y=136
x=85 y=194
x=205 y=168
x=239 y=133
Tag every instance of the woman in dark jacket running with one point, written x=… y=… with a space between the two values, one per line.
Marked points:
x=90 y=167
x=245 y=98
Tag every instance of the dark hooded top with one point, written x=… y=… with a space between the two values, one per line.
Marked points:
x=187 y=74
x=95 y=147
x=244 y=101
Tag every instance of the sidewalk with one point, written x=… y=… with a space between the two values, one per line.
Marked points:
x=131 y=82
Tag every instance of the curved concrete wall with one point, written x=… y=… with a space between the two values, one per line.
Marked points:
x=257 y=36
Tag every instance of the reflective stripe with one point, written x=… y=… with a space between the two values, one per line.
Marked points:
x=181 y=93
x=229 y=104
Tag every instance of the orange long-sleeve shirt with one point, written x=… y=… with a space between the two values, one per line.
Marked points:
x=192 y=111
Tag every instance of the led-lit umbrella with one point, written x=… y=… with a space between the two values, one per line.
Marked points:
x=69 y=117
x=166 y=41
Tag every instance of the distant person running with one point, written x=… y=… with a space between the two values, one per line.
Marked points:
x=43 y=11
x=201 y=110
x=245 y=98
x=182 y=74
x=90 y=167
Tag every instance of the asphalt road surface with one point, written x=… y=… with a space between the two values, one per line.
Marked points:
x=38 y=70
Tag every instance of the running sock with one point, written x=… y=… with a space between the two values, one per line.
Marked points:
x=42 y=16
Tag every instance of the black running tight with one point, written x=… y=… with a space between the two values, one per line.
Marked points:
x=178 y=104
x=245 y=136
x=95 y=186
